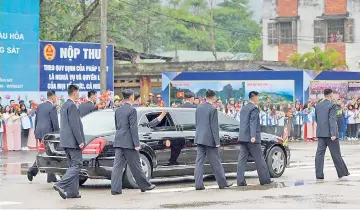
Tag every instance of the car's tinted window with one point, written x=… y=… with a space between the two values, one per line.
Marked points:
x=166 y=123
x=98 y=122
x=186 y=119
x=227 y=124
x=143 y=124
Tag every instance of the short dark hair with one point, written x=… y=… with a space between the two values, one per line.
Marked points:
x=327 y=92
x=12 y=100
x=72 y=89
x=136 y=96
x=210 y=93
x=189 y=95
x=50 y=93
x=91 y=93
x=127 y=93
x=253 y=94
x=197 y=98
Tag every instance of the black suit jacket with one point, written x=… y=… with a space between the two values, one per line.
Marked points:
x=71 y=132
x=188 y=105
x=325 y=114
x=46 y=120
x=250 y=124
x=207 y=125
x=126 y=124
x=87 y=108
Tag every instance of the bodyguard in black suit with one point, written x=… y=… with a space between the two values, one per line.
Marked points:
x=72 y=139
x=189 y=103
x=250 y=141
x=89 y=106
x=137 y=100
x=127 y=146
x=328 y=136
x=208 y=142
x=46 y=121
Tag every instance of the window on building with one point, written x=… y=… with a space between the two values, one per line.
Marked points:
x=282 y=32
x=285 y=32
x=332 y=31
x=335 y=31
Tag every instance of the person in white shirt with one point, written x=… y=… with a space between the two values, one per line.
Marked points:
x=25 y=127
x=264 y=119
x=351 y=122
x=357 y=121
x=12 y=137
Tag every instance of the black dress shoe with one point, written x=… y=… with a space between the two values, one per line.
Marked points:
x=242 y=184
x=61 y=192
x=267 y=183
x=320 y=178
x=201 y=188
x=116 y=193
x=227 y=185
x=78 y=196
x=344 y=175
x=51 y=181
x=30 y=176
x=151 y=187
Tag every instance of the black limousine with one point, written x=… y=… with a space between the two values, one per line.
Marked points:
x=167 y=150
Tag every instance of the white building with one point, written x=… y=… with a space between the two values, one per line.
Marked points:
x=299 y=25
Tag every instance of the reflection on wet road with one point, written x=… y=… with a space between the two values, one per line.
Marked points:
x=297 y=188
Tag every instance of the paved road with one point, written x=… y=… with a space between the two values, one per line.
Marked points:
x=297 y=188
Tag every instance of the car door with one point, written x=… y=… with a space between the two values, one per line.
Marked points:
x=164 y=137
x=229 y=131
x=185 y=118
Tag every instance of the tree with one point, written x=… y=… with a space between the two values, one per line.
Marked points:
x=255 y=46
x=149 y=26
x=318 y=60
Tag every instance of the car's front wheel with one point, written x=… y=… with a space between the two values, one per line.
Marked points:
x=129 y=181
x=276 y=161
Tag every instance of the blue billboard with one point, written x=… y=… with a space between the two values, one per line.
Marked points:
x=65 y=63
x=19 y=45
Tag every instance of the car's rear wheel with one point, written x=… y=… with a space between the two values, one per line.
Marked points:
x=276 y=161
x=129 y=181
x=82 y=180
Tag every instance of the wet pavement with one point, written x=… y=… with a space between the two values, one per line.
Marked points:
x=297 y=188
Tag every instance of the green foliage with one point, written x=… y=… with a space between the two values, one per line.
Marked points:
x=255 y=46
x=149 y=26
x=318 y=60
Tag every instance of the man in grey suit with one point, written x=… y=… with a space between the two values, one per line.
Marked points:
x=328 y=136
x=90 y=105
x=207 y=138
x=127 y=146
x=72 y=139
x=189 y=101
x=46 y=121
x=250 y=141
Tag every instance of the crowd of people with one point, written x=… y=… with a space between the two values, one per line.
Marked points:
x=295 y=120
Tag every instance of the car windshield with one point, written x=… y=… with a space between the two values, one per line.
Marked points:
x=98 y=122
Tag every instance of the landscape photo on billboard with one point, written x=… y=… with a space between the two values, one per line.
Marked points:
x=224 y=89
x=276 y=90
x=237 y=89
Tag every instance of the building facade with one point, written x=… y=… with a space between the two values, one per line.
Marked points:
x=299 y=25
